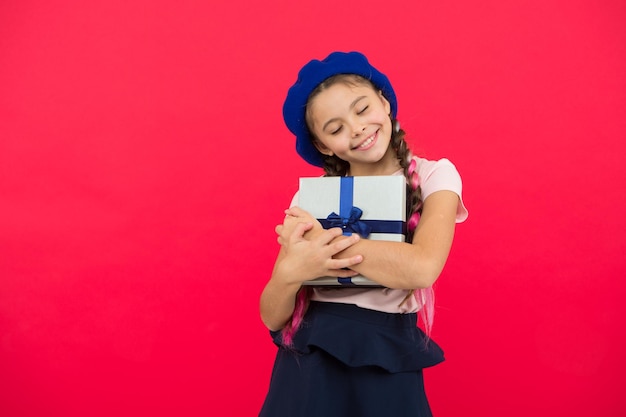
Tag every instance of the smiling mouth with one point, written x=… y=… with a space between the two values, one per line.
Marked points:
x=367 y=142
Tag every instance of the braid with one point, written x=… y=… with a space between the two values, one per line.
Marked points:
x=301 y=305
x=413 y=190
x=335 y=167
x=424 y=296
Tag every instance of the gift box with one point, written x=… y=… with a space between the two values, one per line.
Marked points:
x=372 y=206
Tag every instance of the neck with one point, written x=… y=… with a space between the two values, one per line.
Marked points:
x=388 y=165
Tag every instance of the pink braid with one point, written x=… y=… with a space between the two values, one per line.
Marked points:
x=425 y=297
x=302 y=302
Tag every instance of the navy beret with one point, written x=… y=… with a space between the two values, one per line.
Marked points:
x=313 y=74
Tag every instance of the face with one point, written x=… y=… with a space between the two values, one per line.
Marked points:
x=352 y=122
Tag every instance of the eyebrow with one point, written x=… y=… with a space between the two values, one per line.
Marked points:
x=352 y=105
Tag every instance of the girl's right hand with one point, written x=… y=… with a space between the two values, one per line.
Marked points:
x=312 y=257
x=308 y=251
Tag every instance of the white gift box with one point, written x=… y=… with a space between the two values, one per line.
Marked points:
x=380 y=203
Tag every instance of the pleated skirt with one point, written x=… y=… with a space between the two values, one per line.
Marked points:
x=348 y=361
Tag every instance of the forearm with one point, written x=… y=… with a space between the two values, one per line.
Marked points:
x=301 y=260
x=396 y=264
x=412 y=265
x=277 y=304
x=278 y=299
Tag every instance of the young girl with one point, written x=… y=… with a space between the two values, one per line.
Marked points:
x=356 y=351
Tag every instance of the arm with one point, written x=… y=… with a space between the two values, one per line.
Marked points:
x=407 y=265
x=417 y=264
x=301 y=260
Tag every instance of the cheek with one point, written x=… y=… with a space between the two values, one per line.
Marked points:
x=338 y=143
x=385 y=121
x=380 y=117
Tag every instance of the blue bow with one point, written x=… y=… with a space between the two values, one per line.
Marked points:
x=350 y=224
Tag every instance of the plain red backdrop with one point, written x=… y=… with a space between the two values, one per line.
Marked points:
x=144 y=164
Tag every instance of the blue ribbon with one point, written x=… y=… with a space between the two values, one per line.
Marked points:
x=349 y=217
x=350 y=224
x=374 y=226
x=349 y=220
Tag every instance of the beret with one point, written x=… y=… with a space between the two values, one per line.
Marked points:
x=312 y=75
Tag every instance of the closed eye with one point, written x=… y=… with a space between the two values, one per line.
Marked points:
x=334 y=132
x=362 y=110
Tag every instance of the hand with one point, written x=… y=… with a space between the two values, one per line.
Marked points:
x=293 y=216
x=309 y=258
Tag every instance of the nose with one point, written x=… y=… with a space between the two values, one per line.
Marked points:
x=357 y=129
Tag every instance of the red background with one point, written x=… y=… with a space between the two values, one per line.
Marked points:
x=144 y=164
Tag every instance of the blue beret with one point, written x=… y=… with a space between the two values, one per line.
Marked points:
x=313 y=74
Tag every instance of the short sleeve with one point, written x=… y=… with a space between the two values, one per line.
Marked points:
x=294 y=200
x=441 y=175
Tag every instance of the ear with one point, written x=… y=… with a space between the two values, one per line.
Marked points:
x=385 y=102
x=322 y=148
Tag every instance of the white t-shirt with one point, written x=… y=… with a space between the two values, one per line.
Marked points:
x=434 y=176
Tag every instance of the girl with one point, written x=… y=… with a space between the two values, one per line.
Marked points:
x=356 y=351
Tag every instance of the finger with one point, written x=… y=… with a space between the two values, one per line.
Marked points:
x=279 y=231
x=342 y=244
x=345 y=263
x=299 y=230
x=293 y=211
x=328 y=235
x=296 y=211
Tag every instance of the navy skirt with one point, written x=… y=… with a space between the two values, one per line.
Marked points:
x=348 y=361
